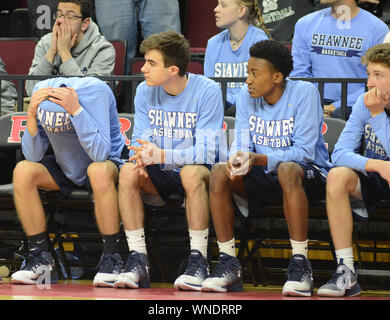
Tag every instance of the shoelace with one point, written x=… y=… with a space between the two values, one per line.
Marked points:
x=109 y=263
x=335 y=276
x=34 y=260
x=223 y=267
x=191 y=265
x=135 y=263
x=296 y=270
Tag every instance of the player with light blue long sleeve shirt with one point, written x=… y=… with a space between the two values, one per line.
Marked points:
x=78 y=119
x=283 y=131
x=77 y=141
x=362 y=170
x=278 y=157
x=188 y=127
x=324 y=47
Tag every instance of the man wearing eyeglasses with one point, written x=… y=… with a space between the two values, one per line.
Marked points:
x=75 y=47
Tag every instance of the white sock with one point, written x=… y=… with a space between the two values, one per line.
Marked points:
x=199 y=240
x=299 y=247
x=347 y=255
x=228 y=247
x=136 y=240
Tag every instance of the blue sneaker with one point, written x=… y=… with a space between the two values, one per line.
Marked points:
x=226 y=276
x=110 y=266
x=299 y=277
x=196 y=272
x=343 y=283
x=38 y=267
x=136 y=272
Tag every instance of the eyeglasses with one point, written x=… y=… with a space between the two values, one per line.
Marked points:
x=67 y=16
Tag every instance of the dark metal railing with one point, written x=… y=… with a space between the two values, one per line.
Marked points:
x=127 y=86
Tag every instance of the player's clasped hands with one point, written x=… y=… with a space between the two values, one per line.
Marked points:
x=145 y=155
x=238 y=165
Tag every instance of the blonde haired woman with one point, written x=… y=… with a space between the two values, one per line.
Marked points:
x=227 y=53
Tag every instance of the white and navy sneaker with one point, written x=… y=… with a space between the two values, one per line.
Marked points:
x=110 y=266
x=343 y=283
x=135 y=273
x=37 y=268
x=299 y=277
x=226 y=276
x=196 y=272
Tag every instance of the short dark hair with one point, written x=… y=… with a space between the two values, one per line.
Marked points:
x=174 y=48
x=85 y=6
x=276 y=53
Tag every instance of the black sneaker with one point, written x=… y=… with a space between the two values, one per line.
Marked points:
x=196 y=272
x=110 y=266
x=38 y=267
x=226 y=276
x=136 y=272
x=299 y=277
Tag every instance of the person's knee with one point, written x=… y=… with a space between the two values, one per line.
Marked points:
x=102 y=174
x=337 y=181
x=194 y=177
x=128 y=176
x=290 y=175
x=24 y=173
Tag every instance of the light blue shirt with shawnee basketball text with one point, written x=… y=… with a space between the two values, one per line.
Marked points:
x=92 y=135
x=376 y=132
x=324 y=47
x=221 y=61
x=289 y=130
x=187 y=126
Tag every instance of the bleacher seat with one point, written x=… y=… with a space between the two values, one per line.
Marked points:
x=4 y=23
x=199 y=22
x=120 y=46
x=17 y=54
x=20 y=25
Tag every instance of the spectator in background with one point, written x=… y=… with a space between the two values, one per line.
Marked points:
x=227 y=53
x=329 y=44
x=74 y=48
x=8 y=93
x=280 y=16
x=118 y=19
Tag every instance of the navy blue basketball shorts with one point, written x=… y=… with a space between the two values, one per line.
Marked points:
x=374 y=189
x=168 y=182
x=264 y=188
x=66 y=185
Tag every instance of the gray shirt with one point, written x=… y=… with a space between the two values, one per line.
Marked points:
x=93 y=56
x=8 y=93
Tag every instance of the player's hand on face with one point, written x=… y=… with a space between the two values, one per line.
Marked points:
x=36 y=98
x=239 y=165
x=65 y=39
x=376 y=100
x=67 y=98
x=54 y=38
